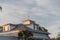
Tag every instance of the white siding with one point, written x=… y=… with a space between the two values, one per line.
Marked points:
x=37 y=35
x=7 y=38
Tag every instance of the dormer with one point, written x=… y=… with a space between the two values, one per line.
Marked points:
x=31 y=24
x=8 y=27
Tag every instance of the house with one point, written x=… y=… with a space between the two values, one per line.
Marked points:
x=10 y=31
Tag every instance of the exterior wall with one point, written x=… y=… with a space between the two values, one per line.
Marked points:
x=41 y=36
x=13 y=35
x=10 y=33
x=8 y=38
x=31 y=26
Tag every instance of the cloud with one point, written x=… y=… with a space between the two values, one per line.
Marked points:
x=54 y=30
x=44 y=12
x=11 y=13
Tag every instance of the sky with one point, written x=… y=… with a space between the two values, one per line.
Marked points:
x=44 y=12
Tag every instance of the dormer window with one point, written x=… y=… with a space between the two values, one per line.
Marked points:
x=6 y=28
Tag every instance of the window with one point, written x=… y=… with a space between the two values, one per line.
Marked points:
x=46 y=39
x=38 y=38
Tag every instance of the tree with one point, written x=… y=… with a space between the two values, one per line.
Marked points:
x=24 y=35
x=53 y=38
x=0 y=8
x=58 y=36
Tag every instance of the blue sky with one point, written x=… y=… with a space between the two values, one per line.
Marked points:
x=44 y=12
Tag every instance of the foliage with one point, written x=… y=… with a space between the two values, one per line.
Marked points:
x=25 y=34
x=53 y=38
x=0 y=8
